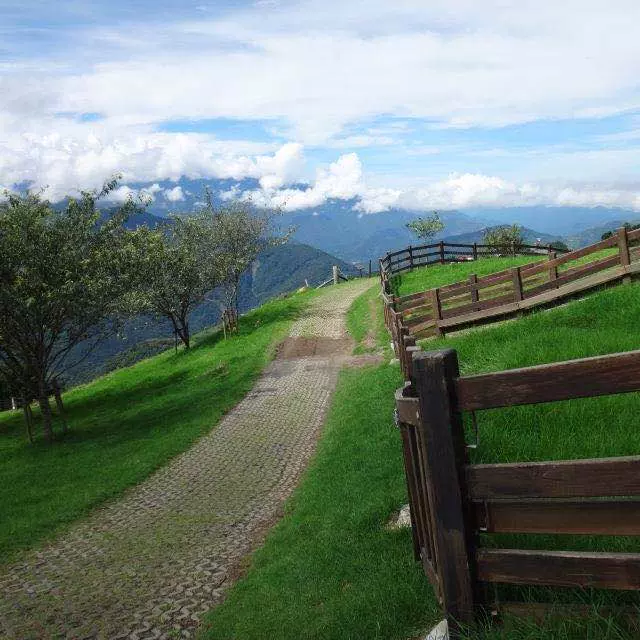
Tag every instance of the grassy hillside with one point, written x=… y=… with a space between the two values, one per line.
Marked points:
x=439 y=275
x=333 y=539
x=128 y=423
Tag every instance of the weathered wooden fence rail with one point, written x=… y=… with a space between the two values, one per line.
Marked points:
x=453 y=501
x=505 y=293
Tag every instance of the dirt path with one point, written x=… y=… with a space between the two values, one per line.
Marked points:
x=151 y=563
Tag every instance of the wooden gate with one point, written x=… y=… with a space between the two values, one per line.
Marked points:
x=452 y=501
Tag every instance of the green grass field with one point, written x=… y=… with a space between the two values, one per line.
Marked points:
x=333 y=531
x=365 y=322
x=127 y=424
x=439 y=275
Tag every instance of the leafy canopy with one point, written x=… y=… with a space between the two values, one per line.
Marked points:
x=426 y=227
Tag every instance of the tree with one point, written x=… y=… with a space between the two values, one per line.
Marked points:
x=505 y=238
x=177 y=259
x=627 y=225
x=66 y=278
x=427 y=227
x=559 y=245
x=238 y=233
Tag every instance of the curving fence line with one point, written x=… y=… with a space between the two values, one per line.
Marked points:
x=456 y=506
x=406 y=259
x=481 y=299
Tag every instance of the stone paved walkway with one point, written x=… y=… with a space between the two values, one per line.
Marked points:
x=151 y=563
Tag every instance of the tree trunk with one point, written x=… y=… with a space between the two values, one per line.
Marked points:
x=28 y=419
x=60 y=406
x=45 y=409
x=181 y=329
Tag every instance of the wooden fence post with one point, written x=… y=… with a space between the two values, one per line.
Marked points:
x=369 y=268
x=409 y=341
x=473 y=281
x=441 y=252
x=437 y=309
x=475 y=251
x=623 y=247
x=517 y=284
x=336 y=278
x=410 y=258
x=553 y=270
x=443 y=448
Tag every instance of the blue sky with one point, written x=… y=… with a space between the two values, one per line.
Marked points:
x=443 y=104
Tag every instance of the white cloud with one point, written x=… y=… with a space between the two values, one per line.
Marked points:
x=66 y=156
x=174 y=195
x=328 y=75
x=342 y=180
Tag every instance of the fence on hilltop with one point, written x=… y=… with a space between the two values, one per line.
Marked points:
x=456 y=506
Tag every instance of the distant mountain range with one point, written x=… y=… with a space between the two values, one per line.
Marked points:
x=338 y=228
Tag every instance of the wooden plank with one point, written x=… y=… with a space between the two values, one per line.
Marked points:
x=413 y=296
x=419 y=320
x=593 y=478
x=569 y=275
x=442 y=439
x=583 y=284
x=560 y=568
x=470 y=318
x=529 y=270
x=473 y=285
x=484 y=305
x=494 y=278
x=459 y=290
x=587 y=377
x=517 y=284
x=594 y=517
x=435 y=302
x=623 y=247
x=426 y=332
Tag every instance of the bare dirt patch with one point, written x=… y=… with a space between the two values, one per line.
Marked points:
x=299 y=347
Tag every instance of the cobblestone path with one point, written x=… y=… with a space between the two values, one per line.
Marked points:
x=151 y=563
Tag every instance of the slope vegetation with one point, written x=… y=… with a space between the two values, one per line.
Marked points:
x=332 y=568
x=128 y=423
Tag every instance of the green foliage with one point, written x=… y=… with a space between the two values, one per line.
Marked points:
x=127 y=424
x=426 y=227
x=65 y=278
x=560 y=246
x=176 y=259
x=238 y=233
x=627 y=225
x=506 y=238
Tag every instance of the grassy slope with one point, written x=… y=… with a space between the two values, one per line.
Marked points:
x=128 y=423
x=332 y=533
x=331 y=569
x=365 y=322
x=601 y=323
x=439 y=275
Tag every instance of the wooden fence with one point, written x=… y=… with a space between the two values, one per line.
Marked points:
x=508 y=292
x=442 y=252
x=452 y=501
